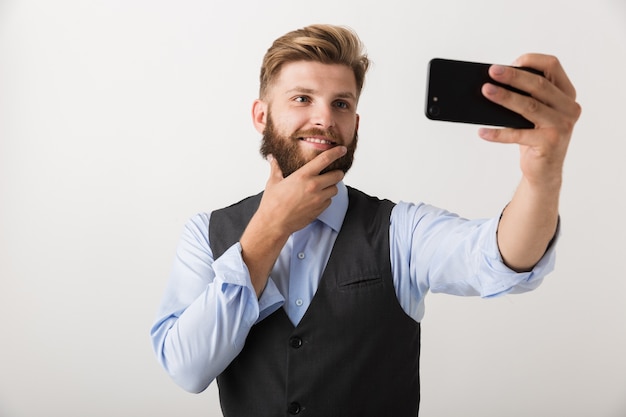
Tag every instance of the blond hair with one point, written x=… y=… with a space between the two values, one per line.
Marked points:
x=327 y=44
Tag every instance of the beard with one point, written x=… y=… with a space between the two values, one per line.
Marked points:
x=287 y=153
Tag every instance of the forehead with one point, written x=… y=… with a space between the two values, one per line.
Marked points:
x=315 y=76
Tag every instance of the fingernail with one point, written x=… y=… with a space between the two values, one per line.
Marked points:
x=497 y=69
x=484 y=133
x=343 y=150
x=490 y=89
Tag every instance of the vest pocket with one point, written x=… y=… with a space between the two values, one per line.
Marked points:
x=360 y=281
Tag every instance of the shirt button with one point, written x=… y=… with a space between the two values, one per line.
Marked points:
x=301 y=255
x=295 y=342
x=294 y=408
x=299 y=302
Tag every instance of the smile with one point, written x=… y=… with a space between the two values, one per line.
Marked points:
x=317 y=140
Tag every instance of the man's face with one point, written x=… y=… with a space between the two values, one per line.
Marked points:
x=310 y=108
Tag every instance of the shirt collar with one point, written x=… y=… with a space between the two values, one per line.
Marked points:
x=333 y=216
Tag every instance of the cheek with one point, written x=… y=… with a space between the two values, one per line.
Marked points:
x=348 y=130
x=291 y=113
x=288 y=124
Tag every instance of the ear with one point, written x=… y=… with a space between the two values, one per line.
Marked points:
x=358 y=118
x=259 y=115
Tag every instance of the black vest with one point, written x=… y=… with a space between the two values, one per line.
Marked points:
x=354 y=353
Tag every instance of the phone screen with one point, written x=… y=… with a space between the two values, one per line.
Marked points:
x=454 y=95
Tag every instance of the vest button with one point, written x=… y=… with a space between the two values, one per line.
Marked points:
x=295 y=342
x=294 y=408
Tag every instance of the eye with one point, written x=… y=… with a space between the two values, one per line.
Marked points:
x=342 y=105
x=301 y=99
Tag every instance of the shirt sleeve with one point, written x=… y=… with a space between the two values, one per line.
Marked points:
x=207 y=310
x=435 y=250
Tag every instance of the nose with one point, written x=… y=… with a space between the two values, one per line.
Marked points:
x=323 y=116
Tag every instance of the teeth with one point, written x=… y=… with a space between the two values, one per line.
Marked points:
x=315 y=140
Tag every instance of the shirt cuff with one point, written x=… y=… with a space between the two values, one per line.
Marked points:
x=271 y=300
x=511 y=281
x=234 y=276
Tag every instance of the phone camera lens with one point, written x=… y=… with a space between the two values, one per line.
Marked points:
x=433 y=110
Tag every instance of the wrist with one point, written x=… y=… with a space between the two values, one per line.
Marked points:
x=546 y=184
x=268 y=227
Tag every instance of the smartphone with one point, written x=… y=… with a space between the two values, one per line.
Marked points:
x=454 y=95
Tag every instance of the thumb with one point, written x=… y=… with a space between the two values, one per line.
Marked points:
x=276 y=174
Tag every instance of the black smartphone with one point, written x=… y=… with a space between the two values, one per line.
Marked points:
x=454 y=95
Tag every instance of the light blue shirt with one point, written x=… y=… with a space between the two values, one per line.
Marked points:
x=210 y=304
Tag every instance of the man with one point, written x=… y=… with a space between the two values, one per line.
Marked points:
x=306 y=299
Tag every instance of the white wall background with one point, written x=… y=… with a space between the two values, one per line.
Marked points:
x=120 y=119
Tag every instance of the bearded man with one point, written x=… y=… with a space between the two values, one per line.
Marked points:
x=306 y=299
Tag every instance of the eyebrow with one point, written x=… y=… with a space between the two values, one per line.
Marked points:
x=303 y=90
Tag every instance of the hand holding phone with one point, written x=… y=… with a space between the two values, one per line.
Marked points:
x=454 y=95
